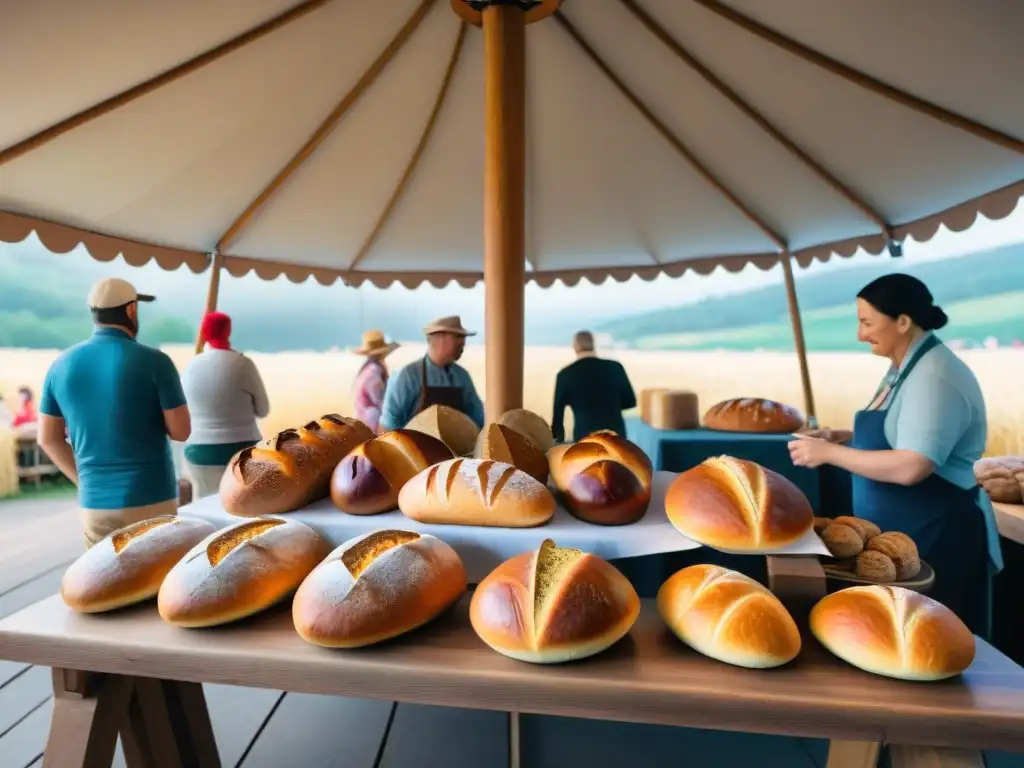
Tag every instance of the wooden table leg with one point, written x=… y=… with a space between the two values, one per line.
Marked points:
x=853 y=754
x=147 y=737
x=88 y=711
x=514 y=744
x=903 y=756
x=190 y=719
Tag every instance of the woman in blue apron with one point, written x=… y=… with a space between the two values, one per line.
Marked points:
x=913 y=448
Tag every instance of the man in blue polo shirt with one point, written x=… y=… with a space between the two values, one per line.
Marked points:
x=119 y=402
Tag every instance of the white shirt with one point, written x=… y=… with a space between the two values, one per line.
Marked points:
x=225 y=396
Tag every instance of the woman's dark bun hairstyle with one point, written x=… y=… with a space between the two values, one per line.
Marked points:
x=898 y=294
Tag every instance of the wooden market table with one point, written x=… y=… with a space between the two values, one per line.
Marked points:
x=1010 y=520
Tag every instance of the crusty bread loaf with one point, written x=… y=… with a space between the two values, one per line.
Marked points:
x=875 y=566
x=475 y=492
x=129 y=565
x=901 y=549
x=238 y=571
x=553 y=605
x=842 y=541
x=289 y=470
x=753 y=414
x=729 y=617
x=604 y=479
x=865 y=529
x=500 y=443
x=368 y=480
x=894 y=632
x=530 y=424
x=453 y=428
x=737 y=506
x=376 y=586
x=1000 y=477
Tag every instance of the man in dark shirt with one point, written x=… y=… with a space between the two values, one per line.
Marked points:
x=596 y=390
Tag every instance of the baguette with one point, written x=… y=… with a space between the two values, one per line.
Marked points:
x=475 y=492
x=500 y=443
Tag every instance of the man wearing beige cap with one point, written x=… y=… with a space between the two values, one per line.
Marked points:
x=437 y=379
x=119 y=401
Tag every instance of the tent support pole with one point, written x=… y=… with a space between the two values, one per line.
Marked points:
x=212 y=293
x=504 y=31
x=798 y=338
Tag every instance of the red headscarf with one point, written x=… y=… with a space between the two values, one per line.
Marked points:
x=216 y=330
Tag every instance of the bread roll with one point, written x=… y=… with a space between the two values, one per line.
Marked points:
x=129 y=565
x=453 y=428
x=368 y=480
x=737 y=506
x=753 y=414
x=821 y=523
x=605 y=479
x=475 y=492
x=553 y=605
x=864 y=528
x=500 y=443
x=238 y=571
x=894 y=632
x=901 y=549
x=377 y=586
x=1000 y=477
x=842 y=541
x=876 y=567
x=530 y=424
x=729 y=617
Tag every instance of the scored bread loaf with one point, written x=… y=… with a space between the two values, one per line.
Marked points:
x=737 y=506
x=453 y=428
x=530 y=424
x=604 y=479
x=377 y=586
x=129 y=565
x=553 y=605
x=894 y=632
x=238 y=571
x=500 y=443
x=367 y=481
x=753 y=414
x=729 y=617
x=476 y=492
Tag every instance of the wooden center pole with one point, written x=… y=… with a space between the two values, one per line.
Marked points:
x=504 y=30
x=798 y=338
x=212 y=293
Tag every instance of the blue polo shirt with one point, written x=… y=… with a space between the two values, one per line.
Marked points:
x=112 y=392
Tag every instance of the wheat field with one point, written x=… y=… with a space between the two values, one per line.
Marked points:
x=304 y=385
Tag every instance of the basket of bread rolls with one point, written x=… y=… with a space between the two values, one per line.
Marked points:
x=859 y=548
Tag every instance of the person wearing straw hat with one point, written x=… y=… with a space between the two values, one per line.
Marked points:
x=372 y=380
x=436 y=379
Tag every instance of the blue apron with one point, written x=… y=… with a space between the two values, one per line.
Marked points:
x=943 y=519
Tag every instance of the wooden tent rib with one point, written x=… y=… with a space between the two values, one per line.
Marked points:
x=125 y=97
x=669 y=136
x=762 y=122
x=328 y=125
x=417 y=154
x=865 y=81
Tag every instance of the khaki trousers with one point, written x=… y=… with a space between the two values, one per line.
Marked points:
x=100 y=523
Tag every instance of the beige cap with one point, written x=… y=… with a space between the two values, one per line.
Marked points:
x=451 y=324
x=113 y=292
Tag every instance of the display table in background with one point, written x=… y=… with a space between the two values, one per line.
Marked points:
x=1008 y=589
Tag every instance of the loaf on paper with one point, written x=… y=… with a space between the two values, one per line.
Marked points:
x=453 y=428
x=553 y=605
x=753 y=414
x=129 y=565
x=500 y=443
x=476 y=492
x=367 y=481
x=238 y=571
x=894 y=632
x=729 y=617
x=377 y=586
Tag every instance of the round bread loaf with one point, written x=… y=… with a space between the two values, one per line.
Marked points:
x=530 y=424
x=498 y=442
x=901 y=549
x=864 y=528
x=238 y=571
x=453 y=428
x=553 y=605
x=604 y=479
x=737 y=506
x=875 y=566
x=129 y=565
x=377 y=586
x=842 y=541
x=367 y=481
x=894 y=632
x=753 y=414
x=1000 y=477
x=729 y=617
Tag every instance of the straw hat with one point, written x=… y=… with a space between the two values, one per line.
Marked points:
x=452 y=324
x=375 y=345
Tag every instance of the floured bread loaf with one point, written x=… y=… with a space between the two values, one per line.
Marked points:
x=500 y=443
x=453 y=428
x=530 y=424
x=377 y=586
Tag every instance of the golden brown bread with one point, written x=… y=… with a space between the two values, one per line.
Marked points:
x=737 y=506
x=475 y=492
x=553 y=605
x=875 y=566
x=1000 y=476
x=238 y=571
x=821 y=523
x=530 y=424
x=377 y=586
x=500 y=443
x=729 y=617
x=842 y=541
x=894 y=632
x=901 y=549
x=129 y=565
x=753 y=414
x=291 y=469
x=864 y=528
x=453 y=428
x=604 y=479
x=367 y=481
